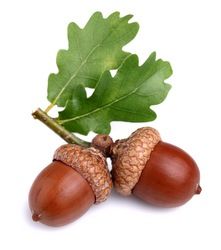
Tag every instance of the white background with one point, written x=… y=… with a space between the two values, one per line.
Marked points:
x=187 y=33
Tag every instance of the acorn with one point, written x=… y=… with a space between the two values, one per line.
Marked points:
x=77 y=178
x=157 y=172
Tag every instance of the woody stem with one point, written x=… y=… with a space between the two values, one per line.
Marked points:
x=58 y=129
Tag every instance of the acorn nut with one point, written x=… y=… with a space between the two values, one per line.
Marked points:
x=154 y=171
x=77 y=178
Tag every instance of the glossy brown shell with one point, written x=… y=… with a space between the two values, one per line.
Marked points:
x=170 y=177
x=59 y=195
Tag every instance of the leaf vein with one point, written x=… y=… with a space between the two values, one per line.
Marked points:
x=101 y=107
x=82 y=64
x=128 y=111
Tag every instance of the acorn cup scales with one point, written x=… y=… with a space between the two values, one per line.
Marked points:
x=76 y=179
x=157 y=172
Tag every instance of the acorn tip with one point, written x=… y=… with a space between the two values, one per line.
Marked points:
x=35 y=217
x=198 y=189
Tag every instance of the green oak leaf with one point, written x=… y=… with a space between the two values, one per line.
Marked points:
x=92 y=50
x=127 y=96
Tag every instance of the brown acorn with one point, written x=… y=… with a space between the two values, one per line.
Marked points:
x=157 y=172
x=77 y=178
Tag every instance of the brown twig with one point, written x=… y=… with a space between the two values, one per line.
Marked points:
x=58 y=129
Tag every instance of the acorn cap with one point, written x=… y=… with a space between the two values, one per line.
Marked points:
x=129 y=157
x=91 y=164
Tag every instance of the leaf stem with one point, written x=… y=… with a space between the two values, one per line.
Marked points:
x=49 y=108
x=58 y=129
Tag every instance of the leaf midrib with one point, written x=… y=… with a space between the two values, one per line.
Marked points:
x=75 y=74
x=106 y=105
x=82 y=64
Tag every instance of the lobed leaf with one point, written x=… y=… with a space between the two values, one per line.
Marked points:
x=92 y=50
x=126 y=97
